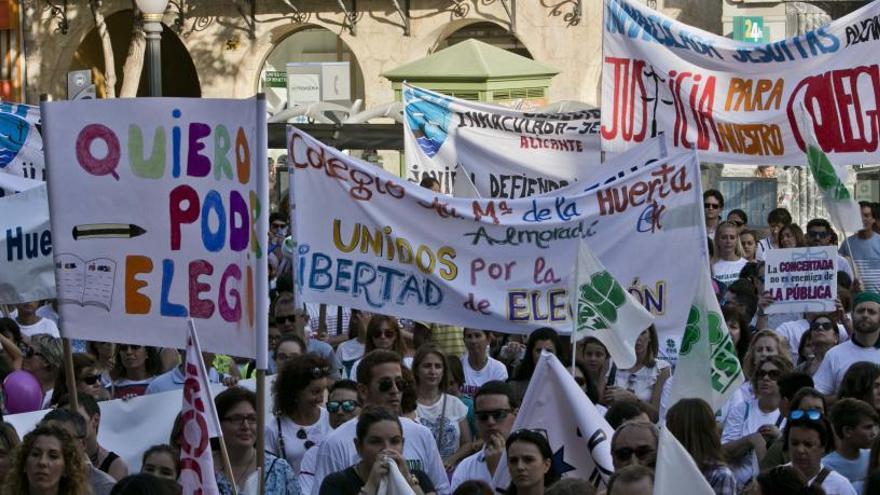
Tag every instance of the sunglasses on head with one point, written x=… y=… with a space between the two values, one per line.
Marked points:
x=90 y=379
x=334 y=406
x=711 y=206
x=386 y=383
x=318 y=372
x=625 y=453
x=497 y=414
x=126 y=347
x=811 y=414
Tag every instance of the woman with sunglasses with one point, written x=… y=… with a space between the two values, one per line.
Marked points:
x=692 y=421
x=135 y=367
x=808 y=437
x=529 y=460
x=752 y=424
x=443 y=414
x=822 y=335
x=300 y=423
x=88 y=381
x=383 y=332
x=379 y=441
x=728 y=260
x=237 y=410
x=43 y=357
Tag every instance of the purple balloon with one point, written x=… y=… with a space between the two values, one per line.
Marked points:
x=22 y=392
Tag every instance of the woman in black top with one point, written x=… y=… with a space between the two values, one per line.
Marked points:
x=379 y=441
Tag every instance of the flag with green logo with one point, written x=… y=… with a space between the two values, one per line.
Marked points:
x=605 y=310
x=842 y=208
x=708 y=367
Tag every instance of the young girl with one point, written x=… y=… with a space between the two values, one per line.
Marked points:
x=728 y=262
x=645 y=380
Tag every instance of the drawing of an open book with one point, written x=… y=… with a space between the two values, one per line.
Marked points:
x=86 y=283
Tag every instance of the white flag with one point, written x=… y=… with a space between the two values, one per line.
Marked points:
x=200 y=424
x=578 y=434
x=708 y=367
x=605 y=310
x=676 y=470
x=394 y=483
x=464 y=187
x=842 y=208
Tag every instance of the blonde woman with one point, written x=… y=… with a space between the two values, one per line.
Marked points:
x=728 y=262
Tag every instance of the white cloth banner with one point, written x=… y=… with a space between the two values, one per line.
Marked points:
x=27 y=272
x=676 y=470
x=579 y=436
x=385 y=245
x=11 y=184
x=738 y=102
x=21 y=146
x=801 y=280
x=159 y=209
x=394 y=483
x=508 y=153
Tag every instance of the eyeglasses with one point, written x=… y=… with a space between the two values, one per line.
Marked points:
x=711 y=206
x=643 y=453
x=497 y=414
x=127 y=347
x=817 y=235
x=285 y=319
x=388 y=334
x=386 y=383
x=771 y=374
x=90 y=379
x=811 y=414
x=240 y=419
x=824 y=326
x=334 y=406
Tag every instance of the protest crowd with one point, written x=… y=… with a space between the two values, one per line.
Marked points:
x=354 y=391
x=586 y=391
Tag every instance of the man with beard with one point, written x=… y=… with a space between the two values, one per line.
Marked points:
x=863 y=346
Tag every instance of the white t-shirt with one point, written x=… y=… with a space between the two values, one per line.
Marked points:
x=763 y=246
x=307 y=470
x=727 y=272
x=429 y=416
x=474 y=379
x=641 y=382
x=44 y=325
x=472 y=467
x=338 y=452
x=834 y=484
x=294 y=446
x=837 y=361
x=794 y=331
x=744 y=419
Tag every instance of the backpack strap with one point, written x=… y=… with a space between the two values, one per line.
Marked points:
x=820 y=478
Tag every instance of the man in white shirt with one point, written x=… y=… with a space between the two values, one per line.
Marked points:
x=31 y=324
x=479 y=367
x=820 y=234
x=863 y=346
x=380 y=383
x=495 y=408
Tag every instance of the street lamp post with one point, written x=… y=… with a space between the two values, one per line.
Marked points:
x=153 y=11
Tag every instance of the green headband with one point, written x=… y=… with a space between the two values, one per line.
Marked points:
x=866 y=296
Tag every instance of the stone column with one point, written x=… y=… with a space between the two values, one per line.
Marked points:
x=797 y=189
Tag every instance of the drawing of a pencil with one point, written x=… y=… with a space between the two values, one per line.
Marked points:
x=107 y=231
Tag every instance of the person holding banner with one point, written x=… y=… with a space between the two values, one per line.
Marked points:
x=237 y=410
x=379 y=441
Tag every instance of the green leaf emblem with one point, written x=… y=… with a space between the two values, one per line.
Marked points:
x=598 y=302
